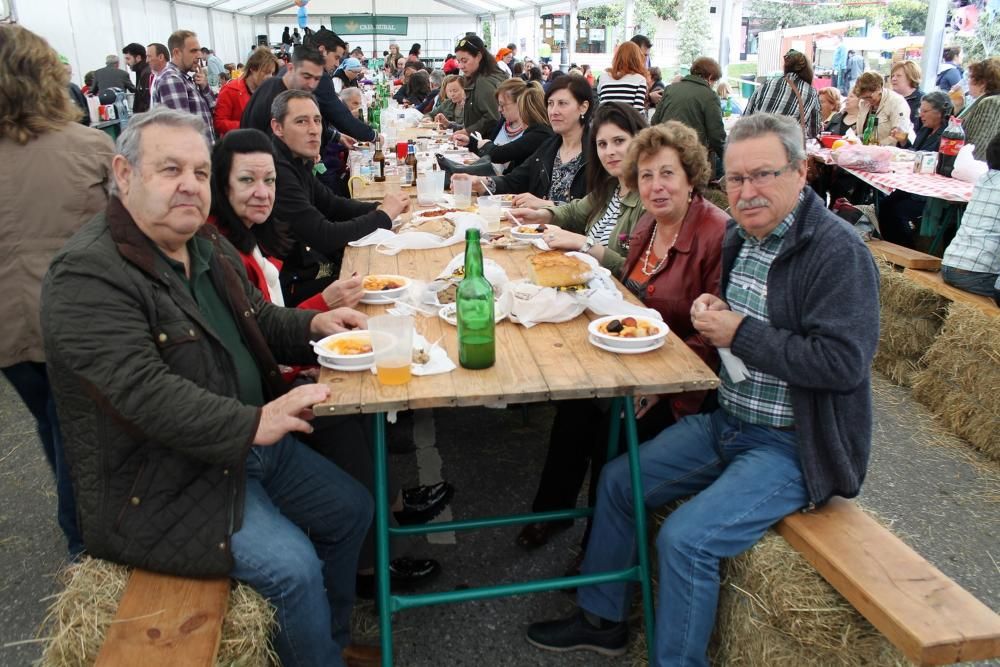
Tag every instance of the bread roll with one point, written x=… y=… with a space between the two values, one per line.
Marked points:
x=555 y=269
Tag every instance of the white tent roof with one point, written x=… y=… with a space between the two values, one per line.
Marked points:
x=391 y=7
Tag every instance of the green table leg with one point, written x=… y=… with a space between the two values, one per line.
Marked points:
x=632 y=441
x=382 y=542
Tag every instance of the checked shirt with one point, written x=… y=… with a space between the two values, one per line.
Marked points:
x=175 y=90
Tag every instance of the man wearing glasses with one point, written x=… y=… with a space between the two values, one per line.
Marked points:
x=799 y=308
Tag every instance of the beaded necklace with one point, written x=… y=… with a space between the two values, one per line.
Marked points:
x=646 y=271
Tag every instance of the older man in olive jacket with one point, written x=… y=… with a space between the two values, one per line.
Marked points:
x=693 y=102
x=163 y=361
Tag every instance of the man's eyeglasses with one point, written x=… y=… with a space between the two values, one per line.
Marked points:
x=758 y=179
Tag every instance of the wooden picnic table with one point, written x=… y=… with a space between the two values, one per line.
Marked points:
x=545 y=362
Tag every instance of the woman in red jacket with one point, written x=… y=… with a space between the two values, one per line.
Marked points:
x=243 y=190
x=235 y=95
x=674 y=256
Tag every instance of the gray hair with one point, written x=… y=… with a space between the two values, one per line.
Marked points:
x=940 y=102
x=129 y=144
x=437 y=76
x=111 y=60
x=348 y=93
x=279 y=108
x=785 y=128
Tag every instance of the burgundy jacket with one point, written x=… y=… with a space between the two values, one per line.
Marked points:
x=693 y=267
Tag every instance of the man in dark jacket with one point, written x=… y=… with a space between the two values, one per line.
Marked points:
x=321 y=222
x=693 y=101
x=800 y=310
x=135 y=58
x=111 y=76
x=176 y=422
x=341 y=125
x=302 y=73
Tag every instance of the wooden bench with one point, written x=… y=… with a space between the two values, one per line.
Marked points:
x=166 y=621
x=902 y=256
x=934 y=282
x=930 y=618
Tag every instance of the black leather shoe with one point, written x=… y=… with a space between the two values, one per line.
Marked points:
x=423 y=503
x=575 y=633
x=404 y=574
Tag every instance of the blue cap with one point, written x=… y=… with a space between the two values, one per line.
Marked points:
x=350 y=63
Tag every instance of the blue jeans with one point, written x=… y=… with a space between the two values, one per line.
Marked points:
x=31 y=382
x=304 y=520
x=977 y=282
x=746 y=478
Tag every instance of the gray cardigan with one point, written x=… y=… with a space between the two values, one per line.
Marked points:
x=823 y=302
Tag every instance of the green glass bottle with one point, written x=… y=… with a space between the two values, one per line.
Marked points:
x=474 y=310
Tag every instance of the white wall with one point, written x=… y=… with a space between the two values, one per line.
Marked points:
x=83 y=30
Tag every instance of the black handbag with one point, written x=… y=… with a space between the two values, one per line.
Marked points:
x=481 y=167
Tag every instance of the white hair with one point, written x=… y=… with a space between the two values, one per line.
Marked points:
x=129 y=144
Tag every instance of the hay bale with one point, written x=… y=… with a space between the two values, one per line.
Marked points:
x=79 y=616
x=775 y=609
x=960 y=381
x=900 y=370
x=902 y=295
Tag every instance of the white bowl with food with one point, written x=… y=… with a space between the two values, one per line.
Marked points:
x=346 y=350
x=384 y=286
x=628 y=332
x=506 y=201
x=528 y=232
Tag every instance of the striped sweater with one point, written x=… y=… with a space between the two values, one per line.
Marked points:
x=630 y=89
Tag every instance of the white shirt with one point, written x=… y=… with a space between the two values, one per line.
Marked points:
x=270 y=277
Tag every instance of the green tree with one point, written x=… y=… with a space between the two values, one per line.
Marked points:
x=487 y=34
x=896 y=17
x=693 y=29
x=612 y=15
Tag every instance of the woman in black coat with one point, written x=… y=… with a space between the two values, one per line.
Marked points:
x=522 y=129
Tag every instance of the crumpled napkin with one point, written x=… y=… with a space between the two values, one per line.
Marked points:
x=424 y=240
x=376 y=237
x=735 y=367
x=532 y=304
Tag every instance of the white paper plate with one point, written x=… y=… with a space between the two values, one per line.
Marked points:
x=337 y=367
x=447 y=313
x=620 y=350
x=617 y=343
x=376 y=301
x=525 y=237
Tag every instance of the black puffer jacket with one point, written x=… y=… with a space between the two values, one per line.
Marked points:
x=534 y=175
x=155 y=437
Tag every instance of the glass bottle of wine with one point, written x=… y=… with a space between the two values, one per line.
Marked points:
x=474 y=310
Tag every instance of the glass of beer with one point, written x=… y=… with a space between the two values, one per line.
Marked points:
x=392 y=343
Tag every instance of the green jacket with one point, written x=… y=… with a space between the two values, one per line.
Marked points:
x=447 y=107
x=154 y=431
x=481 y=110
x=576 y=217
x=693 y=102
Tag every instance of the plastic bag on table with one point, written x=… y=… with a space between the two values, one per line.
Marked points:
x=967 y=168
x=864 y=158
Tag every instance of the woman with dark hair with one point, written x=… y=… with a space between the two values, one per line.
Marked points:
x=554 y=174
x=981 y=119
x=482 y=77
x=898 y=208
x=535 y=74
x=673 y=255
x=790 y=95
x=418 y=92
x=243 y=191
x=414 y=52
x=546 y=70
x=600 y=222
x=235 y=95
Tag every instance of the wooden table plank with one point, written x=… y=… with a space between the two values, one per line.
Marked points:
x=547 y=361
x=903 y=256
x=933 y=620
x=165 y=621
x=934 y=281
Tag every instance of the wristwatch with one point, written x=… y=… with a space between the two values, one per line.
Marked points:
x=585 y=248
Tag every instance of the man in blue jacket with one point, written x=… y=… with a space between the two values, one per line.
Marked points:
x=799 y=307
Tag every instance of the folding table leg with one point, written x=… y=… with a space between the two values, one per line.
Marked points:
x=632 y=440
x=382 y=542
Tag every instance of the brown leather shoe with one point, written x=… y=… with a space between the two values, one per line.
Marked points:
x=362 y=655
x=535 y=535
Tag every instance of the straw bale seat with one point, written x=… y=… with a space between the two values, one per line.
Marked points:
x=910 y=318
x=835 y=588
x=110 y=615
x=934 y=282
x=903 y=256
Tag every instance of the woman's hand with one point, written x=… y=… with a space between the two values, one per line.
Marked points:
x=561 y=239
x=344 y=293
x=528 y=200
x=532 y=216
x=460 y=138
x=442 y=120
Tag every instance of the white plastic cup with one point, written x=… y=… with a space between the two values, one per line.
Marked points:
x=392 y=343
x=463 y=192
x=430 y=187
x=489 y=210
